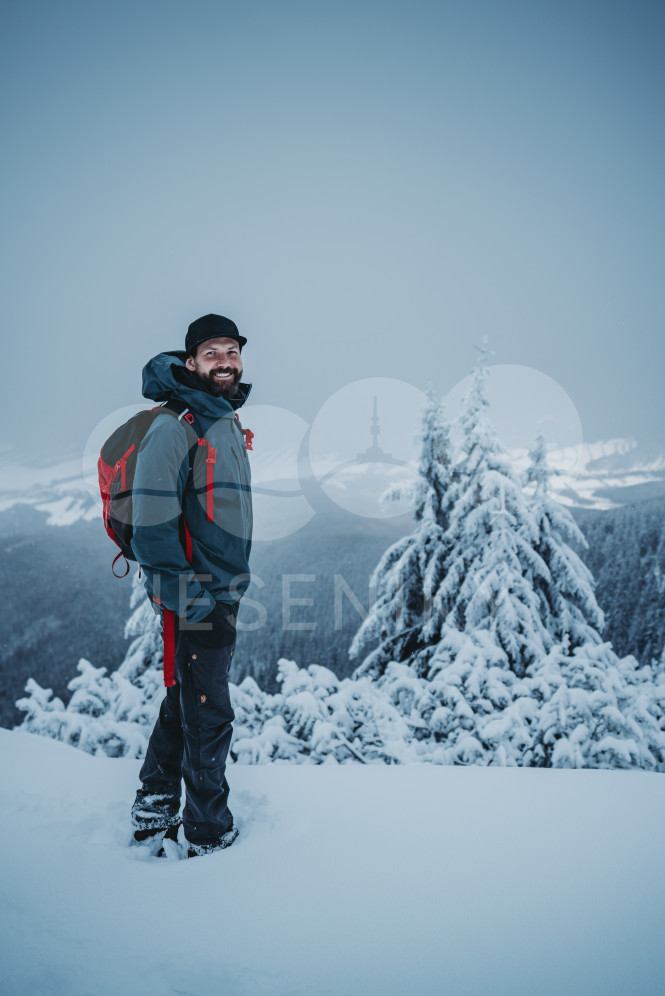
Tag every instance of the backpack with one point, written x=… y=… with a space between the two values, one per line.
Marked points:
x=116 y=468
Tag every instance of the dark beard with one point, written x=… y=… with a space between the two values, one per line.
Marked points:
x=227 y=391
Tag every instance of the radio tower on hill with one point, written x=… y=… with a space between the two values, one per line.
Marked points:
x=374 y=453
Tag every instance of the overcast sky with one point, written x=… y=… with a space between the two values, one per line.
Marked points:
x=367 y=189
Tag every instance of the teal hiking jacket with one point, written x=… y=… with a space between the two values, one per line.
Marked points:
x=169 y=487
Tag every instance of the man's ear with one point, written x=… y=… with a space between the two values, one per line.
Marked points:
x=189 y=363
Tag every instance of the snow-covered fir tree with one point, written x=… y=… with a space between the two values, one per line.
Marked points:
x=414 y=567
x=468 y=564
x=596 y=710
x=568 y=605
x=515 y=670
x=493 y=537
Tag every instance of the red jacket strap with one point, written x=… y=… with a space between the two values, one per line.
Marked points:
x=168 y=620
x=210 y=462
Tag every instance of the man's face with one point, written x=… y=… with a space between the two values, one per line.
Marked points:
x=217 y=363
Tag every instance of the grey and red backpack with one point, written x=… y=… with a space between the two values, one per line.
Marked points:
x=116 y=468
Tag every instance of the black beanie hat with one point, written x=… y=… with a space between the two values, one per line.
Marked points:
x=211 y=327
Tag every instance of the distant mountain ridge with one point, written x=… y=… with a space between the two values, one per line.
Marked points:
x=599 y=475
x=604 y=474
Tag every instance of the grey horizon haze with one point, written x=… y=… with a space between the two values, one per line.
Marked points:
x=366 y=189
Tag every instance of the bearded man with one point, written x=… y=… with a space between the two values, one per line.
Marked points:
x=192 y=521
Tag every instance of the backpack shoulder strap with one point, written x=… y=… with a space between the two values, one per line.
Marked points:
x=183 y=413
x=193 y=430
x=190 y=423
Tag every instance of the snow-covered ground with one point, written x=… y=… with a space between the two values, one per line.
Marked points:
x=345 y=879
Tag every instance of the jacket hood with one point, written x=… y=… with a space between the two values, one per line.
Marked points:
x=165 y=376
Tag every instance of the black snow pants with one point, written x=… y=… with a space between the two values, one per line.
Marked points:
x=191 y=738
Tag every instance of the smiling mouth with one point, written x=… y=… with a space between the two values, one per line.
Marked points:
x=223 y=376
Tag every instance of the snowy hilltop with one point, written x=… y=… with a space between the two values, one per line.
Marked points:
x=483 y=645
x=482 y=881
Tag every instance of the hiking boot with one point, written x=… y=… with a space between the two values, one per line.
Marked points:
x=160 y=842
x=153 y=812
x=170 y=832
x=195 y=850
